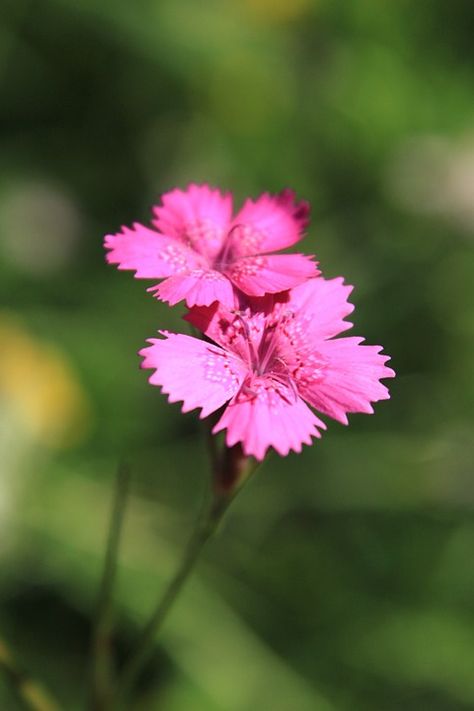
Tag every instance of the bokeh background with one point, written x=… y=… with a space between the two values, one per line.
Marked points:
x=343 y=579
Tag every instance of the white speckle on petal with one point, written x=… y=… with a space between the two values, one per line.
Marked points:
x=247 y=267
x=175 y=257
x=218 y=369
x=203 y=236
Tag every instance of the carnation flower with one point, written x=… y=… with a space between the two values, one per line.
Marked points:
x=206 y=255
x=265 y=367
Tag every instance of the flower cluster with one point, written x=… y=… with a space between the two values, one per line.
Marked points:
x=268 y=320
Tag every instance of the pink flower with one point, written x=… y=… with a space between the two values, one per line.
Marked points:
x=206 y=255
x=265 y=366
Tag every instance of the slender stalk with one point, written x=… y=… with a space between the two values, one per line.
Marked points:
x=102 y=664
x=204 y=530
x=30 y=692
x=230 y=470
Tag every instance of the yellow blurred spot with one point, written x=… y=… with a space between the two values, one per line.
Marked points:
x=39 y=385
x=5 y=656
x=277 y=11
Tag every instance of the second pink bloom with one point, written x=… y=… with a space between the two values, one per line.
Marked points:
x=263 y=367
x=205 y=254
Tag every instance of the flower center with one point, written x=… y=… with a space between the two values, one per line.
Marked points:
x=225 y=256
x=204 y=237
x=270 y=355
x=241 y=240
x=260 y=341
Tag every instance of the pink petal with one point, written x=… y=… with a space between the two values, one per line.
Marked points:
x=268 y=417
x=214 y=321
x=199 y=216
x=262 y=304
x=236 y=332
x=198 y=373
x=199 y=287
x=148 y=253
x=272 y=222
x=322 y=304
x=257 y=276
x=349 y=379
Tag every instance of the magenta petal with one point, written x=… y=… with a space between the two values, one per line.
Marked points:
x=198 y=373
x=196 y=240
x=200 y=287
x=322 y=305
x=350 y=379
x=200 y=216
x=148 y=253
x=269 y=418
x=228 y=328
x=214 y=321
x=263 y=274
x=270 y=223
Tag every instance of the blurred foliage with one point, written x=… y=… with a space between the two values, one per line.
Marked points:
x=343 y=578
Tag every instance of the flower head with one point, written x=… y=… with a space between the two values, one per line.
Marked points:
x=265 y=367
x=206 y=255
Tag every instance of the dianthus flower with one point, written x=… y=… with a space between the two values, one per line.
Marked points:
x=207 y=255
x=265 y=367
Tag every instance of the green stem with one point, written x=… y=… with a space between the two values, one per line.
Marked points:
x=102 y=663
x=204 y=530
x=32 y=694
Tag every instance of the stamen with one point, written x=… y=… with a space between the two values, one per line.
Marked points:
x=203 y=236
x=269 y=345
x=286 y=380
x=252 y=356
x=223 y=258
x=248 y=391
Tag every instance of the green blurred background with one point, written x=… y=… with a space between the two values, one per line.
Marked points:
x=343 y=579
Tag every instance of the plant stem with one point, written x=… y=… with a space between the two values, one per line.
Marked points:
x=102 y=663
x=32 y=694
x=205 y=528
